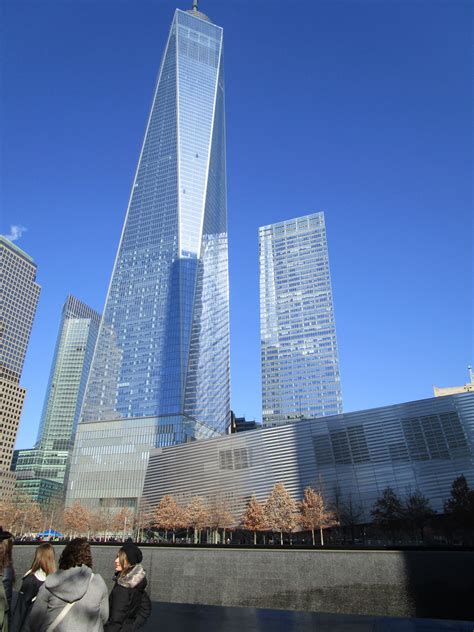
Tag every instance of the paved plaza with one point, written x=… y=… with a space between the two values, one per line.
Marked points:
x=173 y=617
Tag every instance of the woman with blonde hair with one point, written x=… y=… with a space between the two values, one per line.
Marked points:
x=7 y=577
x=43 y=565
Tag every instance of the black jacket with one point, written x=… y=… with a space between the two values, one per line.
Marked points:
x=8 y=578
x=129 y=604
x=30 y=585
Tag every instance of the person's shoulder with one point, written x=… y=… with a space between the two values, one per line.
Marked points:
x=98 y=581
x=30 y=580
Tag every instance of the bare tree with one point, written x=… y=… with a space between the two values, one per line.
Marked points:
x=253 y=518
x=145 y=517
x=350 y=514
x=25 y=515
x=169 y=516
x=418 y=511
x=123 y=521
x=33 y=518
x=98 y=522
x=387 y=510
x=76 y=519
x=315 y=514
x=52 y=515
x=220 y=517
x=197 y=516
x=280 y=511
x=7 y=514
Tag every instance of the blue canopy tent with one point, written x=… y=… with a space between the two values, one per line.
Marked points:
x=50 y=533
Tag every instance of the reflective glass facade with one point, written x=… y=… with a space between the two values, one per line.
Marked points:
x=64 y=396
x=300 y=365
x=69 y=373
x=422 y=445
x=110 y=457
x=163 y=345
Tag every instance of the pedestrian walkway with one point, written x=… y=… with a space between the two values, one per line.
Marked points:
x=175 y=617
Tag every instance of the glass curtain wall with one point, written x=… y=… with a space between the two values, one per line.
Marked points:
x=163 y=345
x=300 y=365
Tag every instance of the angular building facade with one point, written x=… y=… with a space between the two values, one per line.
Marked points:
x=300 y=365
x=19 y=294
x=162 y=357
x=421 y=445
x=41 y=472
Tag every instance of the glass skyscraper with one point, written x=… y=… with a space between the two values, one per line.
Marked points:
x=162 y=356
x=41 y=471
x=300 y=366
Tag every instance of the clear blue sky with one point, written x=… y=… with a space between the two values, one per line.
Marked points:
x=360 y=109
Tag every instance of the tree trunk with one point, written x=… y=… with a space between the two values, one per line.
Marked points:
x=254 y=538
x=281 y=538
x=312 y=534
x=321 y=535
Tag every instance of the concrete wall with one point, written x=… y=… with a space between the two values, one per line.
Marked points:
x=427 y=584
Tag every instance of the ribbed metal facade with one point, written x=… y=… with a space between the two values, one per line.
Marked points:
x=422 y=445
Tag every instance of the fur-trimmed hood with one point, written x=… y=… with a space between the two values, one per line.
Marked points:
x=135 y=576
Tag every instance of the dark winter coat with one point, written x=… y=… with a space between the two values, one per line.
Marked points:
x=32 y=582
x=129 y=604
x=6 y=590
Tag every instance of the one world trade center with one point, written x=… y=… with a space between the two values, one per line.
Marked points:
x=161 y=372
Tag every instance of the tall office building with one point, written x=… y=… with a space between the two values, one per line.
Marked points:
x=160 y=373
x=19 y=295
x=41 y=471
x=300 y=366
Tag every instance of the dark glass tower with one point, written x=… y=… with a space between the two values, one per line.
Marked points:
x=162 y=356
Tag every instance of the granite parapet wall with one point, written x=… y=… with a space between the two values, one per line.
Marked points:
x=431 y=584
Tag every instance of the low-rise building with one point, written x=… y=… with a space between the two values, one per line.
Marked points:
x=453 y=390
x=421 y=445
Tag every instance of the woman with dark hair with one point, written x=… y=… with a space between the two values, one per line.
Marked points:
x=129 y=604
x=7 y=577
x=73 y=599
x=43 y=565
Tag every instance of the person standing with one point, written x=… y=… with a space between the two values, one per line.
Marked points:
x=73 y=599
x=129 y=603
x=43 y=565
x=7 y=577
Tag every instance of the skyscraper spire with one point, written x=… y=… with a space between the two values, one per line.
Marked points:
x=196 y=13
